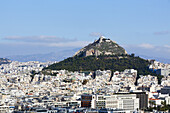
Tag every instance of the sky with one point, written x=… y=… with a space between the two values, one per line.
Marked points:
x=42 y=26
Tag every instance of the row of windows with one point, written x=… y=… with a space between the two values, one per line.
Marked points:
x=86 y=97
x=100 y=101
x=101 y=98
x=85 y=104
x=100 y=104
x=130 y=104
x=111 y=106
x=111 y=102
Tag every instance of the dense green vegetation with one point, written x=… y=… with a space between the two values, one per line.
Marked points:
x=110 y=62
x=163 y=107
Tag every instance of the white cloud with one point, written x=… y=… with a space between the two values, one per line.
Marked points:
x=70 y=44
x=47 y=41
x=149 y=50
x=162 y=33
x=146 y=46
x=50 y=41
x=41 y=38
x=96 y=34
x=167 y=46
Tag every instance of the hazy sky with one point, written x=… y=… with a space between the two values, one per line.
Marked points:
x=42 y=26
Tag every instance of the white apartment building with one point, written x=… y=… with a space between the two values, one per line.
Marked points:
x=120 y=101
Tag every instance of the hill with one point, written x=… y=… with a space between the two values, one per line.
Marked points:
x=104 y=54
x=103 y=62
x=102 y=46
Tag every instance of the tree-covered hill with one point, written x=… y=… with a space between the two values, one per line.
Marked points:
x=111 y=62
x=103 y=54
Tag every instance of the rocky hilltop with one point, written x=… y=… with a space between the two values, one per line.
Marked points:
x=102 y=46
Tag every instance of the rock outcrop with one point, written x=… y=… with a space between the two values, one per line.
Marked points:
x=102 y=46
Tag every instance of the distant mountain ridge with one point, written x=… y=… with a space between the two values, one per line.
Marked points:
x=44 y=57
x=102 y=46
x=159 y=59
